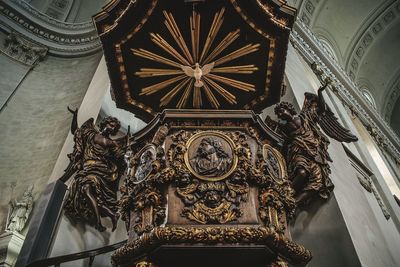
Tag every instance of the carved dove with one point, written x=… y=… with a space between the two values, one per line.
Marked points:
x=198 y=72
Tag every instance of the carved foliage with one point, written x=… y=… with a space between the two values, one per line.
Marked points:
x=149 y=210
x=213 y=235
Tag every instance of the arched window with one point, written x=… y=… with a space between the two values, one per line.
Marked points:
x=367 y=95
x=328 y=48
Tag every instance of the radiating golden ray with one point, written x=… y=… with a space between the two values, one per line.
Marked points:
x=149 y=55
x=158 y=86
x=247 y=49
x=215 y=26
x=232 y=82
x=183 y=100
x=158 y=40
x=229 y=38
x=211 y=81
x=195 y=34
x=171 y=94
x=176 y=34
x=244 y=69
x=211 y=97
x=224 y=93
x=149 y=72
x=197 y=102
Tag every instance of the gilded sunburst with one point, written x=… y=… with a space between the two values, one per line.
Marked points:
x=196 y=71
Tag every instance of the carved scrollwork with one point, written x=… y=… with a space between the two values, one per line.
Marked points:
x=272 y=211
x=140 y=193
x=149 y=208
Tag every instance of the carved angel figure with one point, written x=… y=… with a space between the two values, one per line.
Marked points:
x=307 y=147
x=98 y=162
x=20 y=211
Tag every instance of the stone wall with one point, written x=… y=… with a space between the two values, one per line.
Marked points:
x=35 y=122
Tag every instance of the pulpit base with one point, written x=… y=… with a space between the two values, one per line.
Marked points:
x=215 y=256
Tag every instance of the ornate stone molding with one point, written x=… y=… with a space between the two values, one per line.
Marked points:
x=74 y=26
x=309 y=46
x=392 y=96
x=307 y=9
x=24 y=51
x=61 y=38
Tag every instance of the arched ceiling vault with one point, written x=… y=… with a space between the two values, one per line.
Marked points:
x=364 y=35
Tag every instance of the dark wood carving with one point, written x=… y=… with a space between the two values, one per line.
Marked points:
x=226 y=54
x=190 y=170
x=209 y=173
x=307 y=147
x=98 y=162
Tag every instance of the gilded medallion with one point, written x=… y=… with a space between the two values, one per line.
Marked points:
x=144 y=167
x=275 y=163
x=210 y=156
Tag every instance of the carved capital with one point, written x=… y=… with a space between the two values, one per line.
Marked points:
x=24 y=51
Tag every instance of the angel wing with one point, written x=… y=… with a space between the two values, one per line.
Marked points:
x=326 y=119
x=331 y=126
x=188 y=70
x=80 y=135
x=206 y=69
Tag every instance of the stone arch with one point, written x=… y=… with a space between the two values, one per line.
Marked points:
x=329 y=45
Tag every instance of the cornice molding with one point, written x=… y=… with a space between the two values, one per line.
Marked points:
x=311 y=49
x=61 y=38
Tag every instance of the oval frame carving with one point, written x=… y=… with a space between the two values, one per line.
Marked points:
x=210 y=134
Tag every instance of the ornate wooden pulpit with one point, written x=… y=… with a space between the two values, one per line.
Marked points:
x=206 y=183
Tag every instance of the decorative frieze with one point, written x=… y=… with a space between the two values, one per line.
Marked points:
x=61 y=38
x=24 y=51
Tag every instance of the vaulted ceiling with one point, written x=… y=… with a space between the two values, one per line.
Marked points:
x=364 y=37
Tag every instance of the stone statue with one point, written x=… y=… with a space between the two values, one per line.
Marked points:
x=307 y=147
x=211 y=159
x=20 y=211
x=98 y=162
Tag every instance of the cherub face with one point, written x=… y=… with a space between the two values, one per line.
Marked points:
x=111 y=128
x=284 y=114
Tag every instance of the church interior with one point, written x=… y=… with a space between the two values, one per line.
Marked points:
x=156 y=133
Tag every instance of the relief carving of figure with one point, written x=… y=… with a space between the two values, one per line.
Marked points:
x=210 y=160
x=307 y=147
x=20 y=211
x=145 y=165
x=98 y=162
